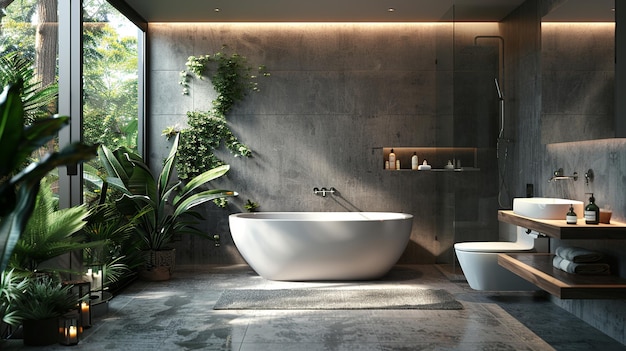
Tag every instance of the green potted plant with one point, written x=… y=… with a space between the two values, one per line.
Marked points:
x=163 y=207
x=44 y=300
x=20 y=181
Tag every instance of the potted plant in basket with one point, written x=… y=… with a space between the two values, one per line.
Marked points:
x=165 y=207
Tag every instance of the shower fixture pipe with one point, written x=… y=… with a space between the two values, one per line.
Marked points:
x=501 y=49
x=500 y=84
x=501 y=101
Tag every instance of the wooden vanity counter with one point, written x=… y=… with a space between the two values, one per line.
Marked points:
x=560 y=230
x=537 y=267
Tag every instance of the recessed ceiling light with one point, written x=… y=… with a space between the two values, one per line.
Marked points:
x=391 y=9
x=217 y=9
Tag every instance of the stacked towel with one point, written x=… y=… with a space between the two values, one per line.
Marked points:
x=578 y=254
x=580 y=261
x=580 y=268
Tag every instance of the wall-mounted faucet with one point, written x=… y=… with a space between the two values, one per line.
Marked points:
x=559 y=175
x=323 y=191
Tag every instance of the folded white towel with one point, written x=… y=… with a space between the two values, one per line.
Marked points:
x=580 y=268
x=578 y=254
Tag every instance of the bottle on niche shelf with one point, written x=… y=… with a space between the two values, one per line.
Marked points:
x=392 y=160
x=414 y=163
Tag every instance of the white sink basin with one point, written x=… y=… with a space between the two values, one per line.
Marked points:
x=546 y=207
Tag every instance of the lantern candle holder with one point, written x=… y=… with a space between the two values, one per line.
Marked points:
x=68 y=329
x=95 y=276
x=81 y=290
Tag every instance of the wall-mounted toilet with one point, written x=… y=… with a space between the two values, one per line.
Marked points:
x=479 y=262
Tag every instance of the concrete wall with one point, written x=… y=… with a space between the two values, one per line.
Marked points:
x=533 y=162
x=338 y=94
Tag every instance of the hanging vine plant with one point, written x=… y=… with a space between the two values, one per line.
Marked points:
x=207 y=131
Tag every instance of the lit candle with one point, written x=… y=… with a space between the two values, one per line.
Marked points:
x=73 y=333
x=84 y=315
x=97 y=280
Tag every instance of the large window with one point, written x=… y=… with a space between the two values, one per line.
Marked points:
x=110 y=83
x=47 y=36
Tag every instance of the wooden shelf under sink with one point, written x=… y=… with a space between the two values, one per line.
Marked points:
x=560 y=230
x=537 y=268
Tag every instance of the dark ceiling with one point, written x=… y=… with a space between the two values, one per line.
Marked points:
x=355 y=10
x=320 y=10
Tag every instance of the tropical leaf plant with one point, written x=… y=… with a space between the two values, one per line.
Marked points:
x=166 y=207
x=117 y=255
x=50 y=232
x=19 y=189
x=12 y=286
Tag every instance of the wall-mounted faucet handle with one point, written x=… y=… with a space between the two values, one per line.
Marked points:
x=324 y=191
x=588 y=176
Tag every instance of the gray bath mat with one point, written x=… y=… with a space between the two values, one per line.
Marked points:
x=336 y=299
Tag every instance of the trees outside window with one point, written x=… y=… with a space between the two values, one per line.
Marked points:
x=110 y=66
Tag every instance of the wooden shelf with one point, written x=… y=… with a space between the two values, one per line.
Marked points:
x=561 y=230
x=537 y=268
x=464 y=169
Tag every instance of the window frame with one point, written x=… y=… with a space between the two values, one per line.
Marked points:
x=71 y=88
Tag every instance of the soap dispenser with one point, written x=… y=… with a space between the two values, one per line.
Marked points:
x=392 y=160
x=592 y=211
x=571 y=217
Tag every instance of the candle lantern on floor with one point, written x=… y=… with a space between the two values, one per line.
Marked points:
x=68 y=329
x=81 y=290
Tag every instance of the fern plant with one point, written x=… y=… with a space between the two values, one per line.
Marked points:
x=35 y=97
x=50 y=232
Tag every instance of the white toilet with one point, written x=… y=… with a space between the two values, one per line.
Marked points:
x=479 y=262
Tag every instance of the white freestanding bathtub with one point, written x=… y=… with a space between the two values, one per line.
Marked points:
x=300 y=246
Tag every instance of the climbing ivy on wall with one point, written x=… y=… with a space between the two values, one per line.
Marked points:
x=207 y=131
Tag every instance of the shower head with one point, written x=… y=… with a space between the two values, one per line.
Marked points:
x=498 y=89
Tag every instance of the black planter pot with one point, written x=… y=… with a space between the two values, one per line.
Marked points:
x=41 y=332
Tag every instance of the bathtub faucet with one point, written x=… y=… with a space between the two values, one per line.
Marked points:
x=323 y=191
